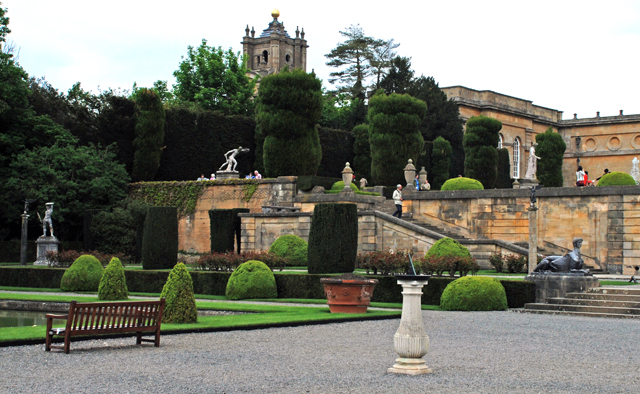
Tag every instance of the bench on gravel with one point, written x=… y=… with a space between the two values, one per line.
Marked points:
x=93 y=318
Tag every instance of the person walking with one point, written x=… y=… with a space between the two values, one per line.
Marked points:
x=397 y=199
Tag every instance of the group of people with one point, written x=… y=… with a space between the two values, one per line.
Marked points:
x=255 y=175
x=582 y=177
x=204 y=178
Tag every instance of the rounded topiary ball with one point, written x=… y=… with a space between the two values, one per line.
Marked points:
x=617 y=179
x=178 y=293
x=461 y=183
x=83 y=275
x=291 y=247
x=448 y=247
x=252 y=279
x=339 y=186
x=113 y=285
x=474 y=293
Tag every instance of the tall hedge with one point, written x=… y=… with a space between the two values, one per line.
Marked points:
x=289 y=107
x=333 y=239
x=504 y=170
x=196 y=141
x=481 y=155
x=160 y=238
x=441 y=156
x=394 y=135
x=550 y=149
x=221 y=223
x=150 y=118
x=337 y=149
x=362 y=150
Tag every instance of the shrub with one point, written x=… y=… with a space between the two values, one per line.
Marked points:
x=617 y=179
x=230 y=261
x=291 y=247
x=551 y=147
x=496 y=260
x=480 y=153
x=62 y=258
x=252 y=279
x=178 y=292
x=83 y=275
x=438 y=265
x=160 y=238
x=515 y=263
x=474 y=293
x=462 y=183
x=339 y=186
x=441 y=158
x=362 y=150
x=113 y=285
x=333 y=239
x=504 y=181
x=448 y=247
x=386 y=262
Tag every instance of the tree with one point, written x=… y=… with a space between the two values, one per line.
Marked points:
x=441 y=159
x=148 y=144
x=354 y=54
x=289 y=107
x=399 y=78
x=394 y=135
x=481 y=156
x=362 y=150
x=550 y=149
x=381 y=57
x=215 y=80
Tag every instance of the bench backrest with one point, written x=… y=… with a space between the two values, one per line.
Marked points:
x=109 y=315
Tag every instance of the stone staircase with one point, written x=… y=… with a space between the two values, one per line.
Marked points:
x=433 y=228
x=618 y=301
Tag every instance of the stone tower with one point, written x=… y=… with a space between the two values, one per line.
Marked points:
x=274 y=49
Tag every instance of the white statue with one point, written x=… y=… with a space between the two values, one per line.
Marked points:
x=47 y=219
x=231 y=162
x=532 y=166
x=635 y=172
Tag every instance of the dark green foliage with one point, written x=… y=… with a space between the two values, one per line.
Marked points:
x=362 y=151
x=289 y=107
x=462 y=183
x=448 y=247
x=616 y=178
x=252 y=279
x=222 y=229
x=339 y=186
x=306 y=183
x=519 y=292
x=481 y=156
x=197 y=140
x=160 y=238
x=394 y=135
x=474 y=293
x=230 y=261
x=83 y=275
x=215 y=80
x=550 y=149
x=337 y=150
x=399 y=79
x=291 y=247
x=441 y=159
x=119 y=230
x=352 y=56
x=497 y=261
x=149 y=141
x=333 y=239
x=504 y=180
x=113 y=285
x=180 y=300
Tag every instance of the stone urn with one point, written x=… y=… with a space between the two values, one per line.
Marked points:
x=347 y=177
x=410 y=175
x=348 y=293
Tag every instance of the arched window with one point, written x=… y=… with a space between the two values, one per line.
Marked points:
x=516 y=158
x=287 y=58
x=500 y=141
x=265 y=56
x=257 y=60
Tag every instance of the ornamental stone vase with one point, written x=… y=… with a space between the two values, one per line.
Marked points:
x=411 y=341
x=347 y=177
x=348 y=293
x=410 y=175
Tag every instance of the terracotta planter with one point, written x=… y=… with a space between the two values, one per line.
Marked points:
x=348 y=293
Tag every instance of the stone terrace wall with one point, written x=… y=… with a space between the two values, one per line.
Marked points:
x=607 y=218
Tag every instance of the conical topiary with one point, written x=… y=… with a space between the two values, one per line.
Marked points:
x=83 y=275
x=178 y=292
x=113 y=285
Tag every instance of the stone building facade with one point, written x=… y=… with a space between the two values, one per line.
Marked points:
x=595 y=143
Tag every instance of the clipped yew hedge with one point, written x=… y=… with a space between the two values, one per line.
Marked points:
x=160 y=238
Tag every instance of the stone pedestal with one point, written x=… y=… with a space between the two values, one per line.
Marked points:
x=558 y=284
x=527 y=183
x=533 y=238
x=411 y=341
x=45 y=244
x=220 y=175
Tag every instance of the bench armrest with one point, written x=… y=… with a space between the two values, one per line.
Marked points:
x=50 y=316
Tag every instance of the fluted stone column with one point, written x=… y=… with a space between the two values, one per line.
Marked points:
x=411 y=341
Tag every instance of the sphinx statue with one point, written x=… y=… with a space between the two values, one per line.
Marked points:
x=570 y=262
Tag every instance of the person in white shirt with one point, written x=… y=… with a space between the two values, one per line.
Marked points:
x=580 y=177
x=257 y=175
x=397 y=199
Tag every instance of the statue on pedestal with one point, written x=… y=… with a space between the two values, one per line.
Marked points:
x=46 y=244
x=47 y=219
x=532 y=165
x=570 y=262
x=230 y=156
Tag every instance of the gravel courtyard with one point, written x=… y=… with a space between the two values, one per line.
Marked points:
x=472 y=352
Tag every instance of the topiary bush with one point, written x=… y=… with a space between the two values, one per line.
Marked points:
x=178 y=292
x=617 y=179
x=83 y=275
x=160 y=238
x=339 y=186
x=474 y=293
x=252 y=279
x=448 y=247
x=462 y=183
x=448 y=255
x=113 y=285
x=291 y=247
x=333 y=239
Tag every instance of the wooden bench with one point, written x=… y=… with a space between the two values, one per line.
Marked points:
x=92 y=318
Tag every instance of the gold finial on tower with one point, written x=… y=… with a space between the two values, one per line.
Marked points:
x=275 y=13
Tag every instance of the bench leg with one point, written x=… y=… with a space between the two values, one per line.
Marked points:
x=139 y=338
x=157 y=341
x=47 y=346
x=67 y=341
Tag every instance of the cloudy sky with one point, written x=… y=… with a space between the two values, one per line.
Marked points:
x=574 y=56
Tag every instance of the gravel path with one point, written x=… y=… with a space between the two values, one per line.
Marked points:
x=472 y=352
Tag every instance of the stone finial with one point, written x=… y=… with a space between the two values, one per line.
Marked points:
x=422 y=178
x=347 y=177
x=297 y=32
x=302 y=33
x=246 y=31
x=253 y=32
x=598 y=114
x=620 y=112
x=575 y=116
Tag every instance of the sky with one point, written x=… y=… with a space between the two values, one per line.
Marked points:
x=573 y=56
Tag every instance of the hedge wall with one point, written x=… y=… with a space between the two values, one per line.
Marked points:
x=160 y=238
x=289 y=285
x=337 y=149
x=196 y=142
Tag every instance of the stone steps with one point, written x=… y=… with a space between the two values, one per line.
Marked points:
x=609 y=310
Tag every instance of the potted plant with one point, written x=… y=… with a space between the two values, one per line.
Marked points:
x=348 y=293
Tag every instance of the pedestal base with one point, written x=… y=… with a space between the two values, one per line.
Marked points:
x=220 y=175
x=555 y=284
x=410 y=366
x=45 y=244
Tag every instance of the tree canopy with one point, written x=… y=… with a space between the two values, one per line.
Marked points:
x=550 y=149
x=481 y=155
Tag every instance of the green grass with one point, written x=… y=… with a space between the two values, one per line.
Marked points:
x=503 y=273
x=616 y=283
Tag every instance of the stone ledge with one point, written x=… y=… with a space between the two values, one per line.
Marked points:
x=525 y=193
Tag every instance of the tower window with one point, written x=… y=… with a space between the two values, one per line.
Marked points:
x=287 y=58
x=265 y=56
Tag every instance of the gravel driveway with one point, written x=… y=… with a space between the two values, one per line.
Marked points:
x=471 y=352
